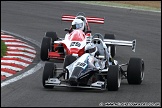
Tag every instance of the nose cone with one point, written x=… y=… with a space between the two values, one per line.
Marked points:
x=73 y=81
x=74 y=50
x=77 y=35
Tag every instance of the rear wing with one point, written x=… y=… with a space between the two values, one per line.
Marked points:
x=121 y=43
x=89 y=19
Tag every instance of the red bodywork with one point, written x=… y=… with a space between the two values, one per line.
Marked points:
x=76 y=35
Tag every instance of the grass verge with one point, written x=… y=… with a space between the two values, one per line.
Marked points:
x=3 y=49
x=139 y=5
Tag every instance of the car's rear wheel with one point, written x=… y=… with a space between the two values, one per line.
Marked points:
x=112 y=47
x=135 y=71
x=48 y=72
x=52 y=35
x=45 y=48
x=113 y=78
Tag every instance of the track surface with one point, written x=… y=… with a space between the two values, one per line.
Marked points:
x=33 y=19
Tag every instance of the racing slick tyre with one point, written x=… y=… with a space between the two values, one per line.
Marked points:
x=113 y=78
x=52 y=35
x=135 y=71
x=45 y=48
x=112 y=47
x=67 y=61
x=48 y=72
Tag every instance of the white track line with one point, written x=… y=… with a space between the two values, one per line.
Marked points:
x=20 y=48
x=15 y=62
x=6 y=74
x=5 y=39
x=11 y=67
x=20 y=57
x=24 y=53
x=11 y=39
x=7 y=36
x=18 y=43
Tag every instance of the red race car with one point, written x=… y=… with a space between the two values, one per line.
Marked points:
x=76 y=38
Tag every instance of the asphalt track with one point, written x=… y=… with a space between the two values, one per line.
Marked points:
x=32 y=19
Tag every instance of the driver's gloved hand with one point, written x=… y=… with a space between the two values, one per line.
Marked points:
x=97 y=53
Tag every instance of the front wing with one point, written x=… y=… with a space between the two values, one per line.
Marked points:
x=99 y=85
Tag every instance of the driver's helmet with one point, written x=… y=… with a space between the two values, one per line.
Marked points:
x=77 y=24
x=91 y=49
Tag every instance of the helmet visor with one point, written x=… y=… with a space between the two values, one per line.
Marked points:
x=77 y=26
x=91 y=50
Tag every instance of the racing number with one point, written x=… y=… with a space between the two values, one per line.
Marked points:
x=81 y=64
x=75 y=44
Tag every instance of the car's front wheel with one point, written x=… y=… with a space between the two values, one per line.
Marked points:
x=113 y=78
x=48 y=72
x=45 y=48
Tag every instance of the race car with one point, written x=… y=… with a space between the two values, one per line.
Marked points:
x=75 y=39
x=81 y=72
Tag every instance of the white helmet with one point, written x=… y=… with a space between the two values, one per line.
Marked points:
x=91 y=48
x=78 y=24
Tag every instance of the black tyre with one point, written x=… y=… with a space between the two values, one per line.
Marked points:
x=48 y=72
x=45 y=48
x=113 y=78
x=135 y=71
x=52 y=35
x=113 y=47
x=68 y=60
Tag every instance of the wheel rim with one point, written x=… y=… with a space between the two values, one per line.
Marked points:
x=119 y=79
x=142 y=71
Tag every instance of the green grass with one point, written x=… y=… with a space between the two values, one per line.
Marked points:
x=105 y=3
x=3 y=49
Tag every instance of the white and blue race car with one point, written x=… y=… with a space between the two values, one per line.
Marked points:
x=80 y=72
